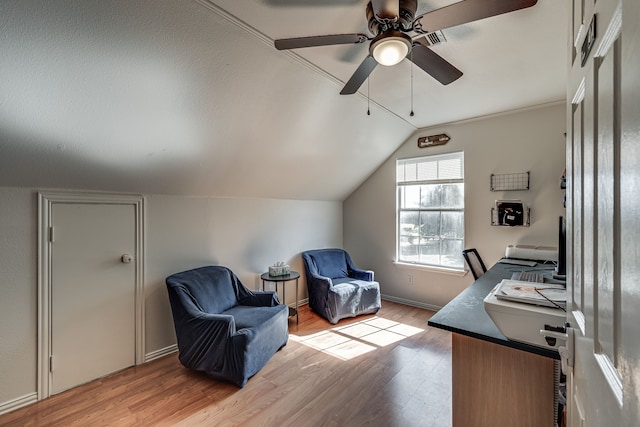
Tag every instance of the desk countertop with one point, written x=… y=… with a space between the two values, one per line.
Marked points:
x=465 y=314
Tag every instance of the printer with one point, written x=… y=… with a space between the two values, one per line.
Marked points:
x=547 y=253
x=521 y=321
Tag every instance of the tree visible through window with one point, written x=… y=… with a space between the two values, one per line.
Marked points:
x=431 y=210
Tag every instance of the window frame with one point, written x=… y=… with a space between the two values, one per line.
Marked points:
x=414 y=181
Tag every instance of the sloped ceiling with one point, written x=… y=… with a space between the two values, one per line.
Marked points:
x=190 y=97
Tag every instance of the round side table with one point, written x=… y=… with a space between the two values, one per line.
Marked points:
x=294 y=275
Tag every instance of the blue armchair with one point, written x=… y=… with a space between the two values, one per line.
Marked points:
x=337 y=289
x=223 y=328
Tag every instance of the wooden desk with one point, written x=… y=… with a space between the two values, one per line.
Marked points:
x=496 y=381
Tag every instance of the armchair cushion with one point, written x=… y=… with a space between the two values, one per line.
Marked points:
x=223 y=328
x=331 y=263
x=337 y=288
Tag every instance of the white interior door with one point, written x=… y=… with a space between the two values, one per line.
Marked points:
x=92 y=292
x=603 y=213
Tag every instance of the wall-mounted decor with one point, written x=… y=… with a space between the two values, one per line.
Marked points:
x=511 y=213
x=432 y=140
x=510 y=181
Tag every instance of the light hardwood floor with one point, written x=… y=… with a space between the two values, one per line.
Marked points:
x=318 y=379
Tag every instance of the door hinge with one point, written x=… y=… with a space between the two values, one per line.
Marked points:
x=565 y=334
x=50 y=234
x=51 y=363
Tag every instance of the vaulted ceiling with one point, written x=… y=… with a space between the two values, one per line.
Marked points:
x=190 y=97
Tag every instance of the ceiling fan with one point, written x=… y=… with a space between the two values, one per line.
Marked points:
x=397 y=31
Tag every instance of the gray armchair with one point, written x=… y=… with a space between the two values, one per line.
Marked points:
x=223 y=328
x=337 y=288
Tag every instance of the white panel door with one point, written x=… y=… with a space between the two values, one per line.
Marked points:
x=603 y=214
x=92 y=292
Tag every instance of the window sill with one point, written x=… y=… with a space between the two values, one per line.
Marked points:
x=431 y=268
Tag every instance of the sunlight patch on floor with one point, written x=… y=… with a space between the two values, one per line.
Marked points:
x=352 y=340
x=349 y=350
x=325 y=340
x=383 y=338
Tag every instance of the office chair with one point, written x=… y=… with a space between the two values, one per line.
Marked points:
x=474 y=262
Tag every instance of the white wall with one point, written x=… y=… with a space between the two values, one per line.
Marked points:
x=18 y=293
x=520 y=141
x=247 y=235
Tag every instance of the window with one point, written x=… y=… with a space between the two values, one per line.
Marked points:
x=431 y=210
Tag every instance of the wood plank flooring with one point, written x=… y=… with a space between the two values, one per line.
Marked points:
x=320 y=378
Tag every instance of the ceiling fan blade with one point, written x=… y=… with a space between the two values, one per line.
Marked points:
x=386 y=9
x=433 y=64
x=359 y=76
x=466 y=11
x=298 y=42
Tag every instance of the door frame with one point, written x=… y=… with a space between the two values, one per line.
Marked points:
x=46 y=200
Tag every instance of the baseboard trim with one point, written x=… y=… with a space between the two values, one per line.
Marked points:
x=411 y=303
x=19 y=402
x=300 y=303
x=160 y=353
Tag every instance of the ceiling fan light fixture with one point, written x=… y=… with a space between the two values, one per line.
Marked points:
x=391 y=47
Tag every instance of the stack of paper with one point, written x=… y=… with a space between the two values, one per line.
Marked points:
x=545 y=294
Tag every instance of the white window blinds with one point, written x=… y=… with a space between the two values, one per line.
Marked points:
x=442 y=167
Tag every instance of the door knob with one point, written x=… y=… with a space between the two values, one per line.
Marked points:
x=126 y=258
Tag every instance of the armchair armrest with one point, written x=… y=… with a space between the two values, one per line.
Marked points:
x=319 y=288
x=366 y=275
x=261 y=299
x=324 y=282
x=202 y=336
x=194 y=325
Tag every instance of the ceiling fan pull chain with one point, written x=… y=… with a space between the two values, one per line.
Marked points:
x=368 y=96
x=411 y=67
